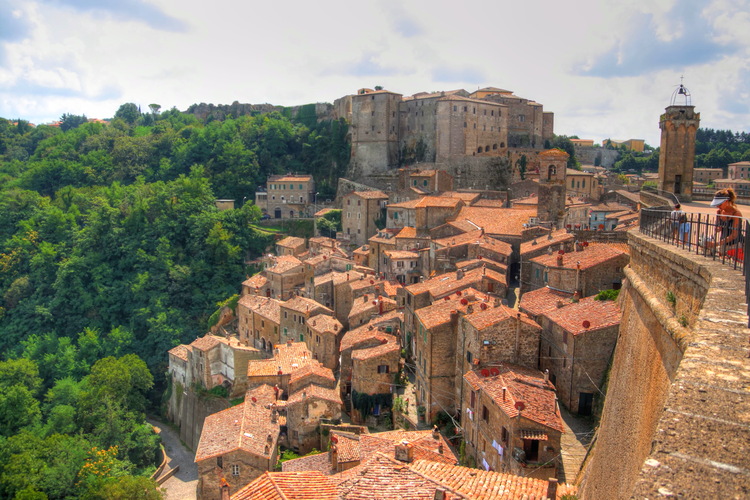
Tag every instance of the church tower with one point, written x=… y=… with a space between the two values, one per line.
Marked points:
x=553 y=165
x=679 y=125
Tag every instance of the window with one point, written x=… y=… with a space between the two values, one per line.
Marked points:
x=504 y=435
x=485 y=414
x=301 y=338
x=473 y=400
x=300 y=186
x=383 y=369
x=235 y=470
x=521 y=118
x=424 y=182
x=291 y=186
x=464 y=124
x=262 y=324
x=359 y=203
x=220 y=462
x=565 y=337
x=455 y=108
x=400 y=263
x=317 y=339
x=285 y=315
x=286 y=332
x=469 y=357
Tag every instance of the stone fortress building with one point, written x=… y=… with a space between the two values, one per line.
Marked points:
x=461 y=132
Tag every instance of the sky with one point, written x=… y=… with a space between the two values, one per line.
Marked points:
x=606 y=68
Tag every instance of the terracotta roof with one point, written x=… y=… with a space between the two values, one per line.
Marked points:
x=481 y=484
x=407 y=232
x=611 y=207
x=447 y=283
x=438 y=201
x=385 y=236
x=401 y=254
x=323 y=323
x=553 y=153
x=476 y=237
x=180 y=351
x=290 y=242
x=404 y=204
x=360 y=306
x=505 y=221
x=205 y=343
x=377 y=351
x=425 y=446
x=308 y=485
x=369 y=195
x=489 y=203
x=382 y=477
x=363 y=250
x=370 y=330
x=290 y=178
x=479 y=262
x=304 y=305
x=466 y=197
x=320 y=462
x=284 y=263
x=439 y=313
x=390 y=288
x=267 y=307
x=314 y=391
x=246 y=426
x=323 y=240
x=256 y=281
x=492 y=316
x=542 y=300
x=522 y=384
x=288 y=358
x=311 y=370
x=592 y=256
x=558 y=237
x=599 y=314
x=347 y=447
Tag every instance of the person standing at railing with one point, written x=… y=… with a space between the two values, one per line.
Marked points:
x=675 y=216
x=728 y=219
x=684 y=228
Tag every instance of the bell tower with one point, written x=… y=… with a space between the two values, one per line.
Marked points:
x=679 y=125
x=553 y=165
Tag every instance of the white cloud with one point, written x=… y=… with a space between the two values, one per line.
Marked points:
x=586 y=61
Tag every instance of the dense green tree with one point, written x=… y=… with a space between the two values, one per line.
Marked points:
x=70 y=121
x=129 y=112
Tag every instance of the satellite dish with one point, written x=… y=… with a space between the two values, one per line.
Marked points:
x=520 y=406
x=485 y=372
x=586 y=323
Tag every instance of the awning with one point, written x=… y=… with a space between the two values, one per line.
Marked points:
x=536 y=435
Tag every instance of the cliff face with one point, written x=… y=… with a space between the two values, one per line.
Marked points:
x=663 y=427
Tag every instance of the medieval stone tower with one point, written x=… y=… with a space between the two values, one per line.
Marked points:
x=553 y=165
x=678 y=125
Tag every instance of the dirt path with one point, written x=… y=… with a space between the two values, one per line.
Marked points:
x=181 y=486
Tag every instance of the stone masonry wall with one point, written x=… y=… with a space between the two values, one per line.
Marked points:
x=649 y=350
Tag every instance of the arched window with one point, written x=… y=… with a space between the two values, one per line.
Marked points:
x=494 y=146
x=551 y=172
x=486 y=148
x=502 y=144
x=479 y=149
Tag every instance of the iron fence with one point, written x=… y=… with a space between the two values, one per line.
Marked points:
x=721 y=238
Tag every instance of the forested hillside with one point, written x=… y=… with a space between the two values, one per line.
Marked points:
x=111 y=253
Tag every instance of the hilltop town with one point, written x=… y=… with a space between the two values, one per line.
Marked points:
x=445 y=328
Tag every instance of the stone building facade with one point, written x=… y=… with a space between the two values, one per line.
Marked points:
x=576 y=348
x=679 y=126
x=511 y=421
x=359 y=211
x=287 y=196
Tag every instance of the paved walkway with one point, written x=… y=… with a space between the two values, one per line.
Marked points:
x=574 y=443
x=181 y=486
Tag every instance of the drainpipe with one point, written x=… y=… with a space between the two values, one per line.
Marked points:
x=518 y=338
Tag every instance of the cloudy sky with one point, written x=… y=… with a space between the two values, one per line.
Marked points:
x=606 y=68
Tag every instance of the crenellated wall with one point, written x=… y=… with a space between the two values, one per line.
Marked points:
x=664 y=405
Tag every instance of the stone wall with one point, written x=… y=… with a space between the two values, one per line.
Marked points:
x=596 y=156
x=193 y=410
x=666 y=423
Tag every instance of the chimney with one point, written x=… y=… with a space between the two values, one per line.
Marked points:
x=289 y=342
x=559 y=304
x=459 y=274
x=552 y=488
x=404 y=452
x=440 y=494
x=546 y=375
x=454 y=318
x=470 y=309
x=440 y=448
x=224 y=489
x=560 y=260
x=364 y=298
x=334 y=456
x=576 y=296
x=435 y=432
x=505 y=389
x=276 y=392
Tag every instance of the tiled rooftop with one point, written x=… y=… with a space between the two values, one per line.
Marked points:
x=592 y=256
x=205 y=343
x=308 y=485
x=289 y=178
x=375 y=352
x=492 y=316
x=370 y=195
x=304 y=305
x=264 y=306
x=481 y=484
x=320 y=462
x=180 y=351
x=438 y=201
x=316 y=392
x=404 y=204
x=522 y=384
x=439 y=313
x=290 y=242
x=372 y=304
x=542 y=300
x=370 y=329
x=284 y=263
x=347 y=447
x=246 y=426
x=323 y=323
x=401 y=254
x=257 y=281
x=557 y=237
x=447 y=283
x=500 y=221
x=288 y=358
x=598 y=313
x=312 y=370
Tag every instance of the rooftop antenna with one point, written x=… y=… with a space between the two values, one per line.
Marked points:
x=681 y=91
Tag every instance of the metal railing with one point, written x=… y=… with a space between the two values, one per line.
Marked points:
x=721 y=238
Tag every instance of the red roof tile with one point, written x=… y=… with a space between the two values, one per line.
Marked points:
x=497 y=221
x=598 y=313
x=370 y=330
x=283 y=264
x=180 y=351
x=308 y=485
x=522 y=384
x=287 y=357
x=593 y=255
x=205 y=343
x=542 y=300
x=554 y=238
x=290 y=242
x=314 y=392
